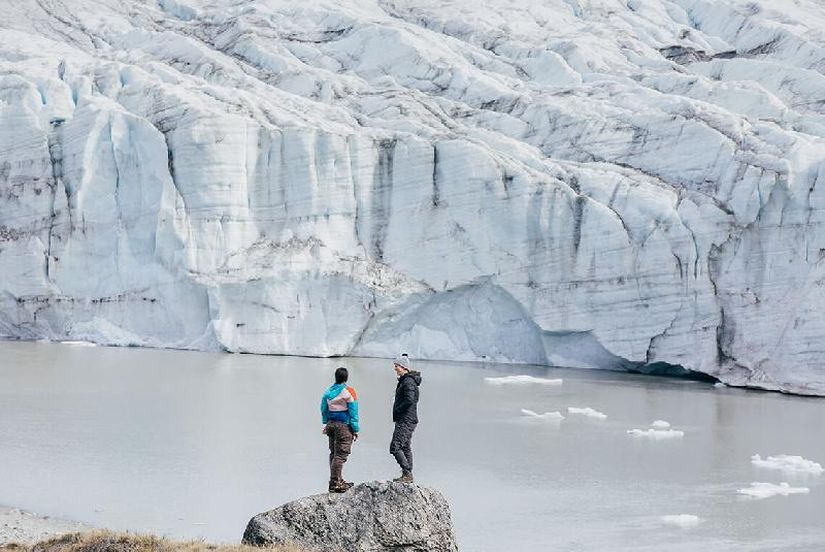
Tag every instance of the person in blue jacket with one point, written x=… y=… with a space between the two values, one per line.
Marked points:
x=339 y=414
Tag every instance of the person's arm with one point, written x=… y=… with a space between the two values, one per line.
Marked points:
x=396 y=405
x=352 y=408
x=324 y=410
x=404 y=399
x=410 y=393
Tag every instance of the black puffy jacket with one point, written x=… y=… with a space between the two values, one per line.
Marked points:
x=405 y=407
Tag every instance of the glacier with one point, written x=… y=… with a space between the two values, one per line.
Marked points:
x=619 y=184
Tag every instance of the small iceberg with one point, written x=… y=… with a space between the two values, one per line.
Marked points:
x=767 y=490
x=587 y=411
x=788 y=464
x=546 y=416
x=659 y=429
x=522 y=380
x=656 y=434
x=681 y=520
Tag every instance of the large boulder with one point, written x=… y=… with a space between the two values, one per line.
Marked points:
x=373 y=516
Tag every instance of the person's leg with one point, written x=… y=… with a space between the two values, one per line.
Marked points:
x=331 y=437
x=343 y=447
x=397 y=445
x=406 y=447
x=402 y=451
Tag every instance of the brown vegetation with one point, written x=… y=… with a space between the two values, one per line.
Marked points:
x=108 y=541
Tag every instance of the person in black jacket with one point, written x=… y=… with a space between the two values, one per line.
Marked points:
x=405 y=416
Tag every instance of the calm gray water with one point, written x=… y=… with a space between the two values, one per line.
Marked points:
x=193 y=444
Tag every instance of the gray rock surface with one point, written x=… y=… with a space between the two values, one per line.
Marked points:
x=374 y=516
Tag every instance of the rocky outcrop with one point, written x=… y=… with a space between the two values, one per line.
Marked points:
x=376 y=516
x=627 y=185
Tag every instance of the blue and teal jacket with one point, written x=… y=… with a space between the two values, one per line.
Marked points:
x=340 y=403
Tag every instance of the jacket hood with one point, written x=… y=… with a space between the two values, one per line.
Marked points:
x=334 y=390
x=416 y=376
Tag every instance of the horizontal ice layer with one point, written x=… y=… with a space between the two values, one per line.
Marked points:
x=522 y=380
x=632 y=185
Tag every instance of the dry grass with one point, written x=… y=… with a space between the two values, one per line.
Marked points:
x=108 y=541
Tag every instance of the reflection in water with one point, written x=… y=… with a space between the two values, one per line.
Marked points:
x=192 y=444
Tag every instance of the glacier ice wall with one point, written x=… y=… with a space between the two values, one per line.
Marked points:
x=592 y=183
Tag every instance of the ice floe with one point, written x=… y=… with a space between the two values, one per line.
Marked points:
x=552 y=416
x=656 y=434
x=681 y=520
x=79 y=343
x=787 y=463
x=658 y=430
x=587 y=411
x=767 y=490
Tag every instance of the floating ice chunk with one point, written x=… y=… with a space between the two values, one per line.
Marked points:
x=659 y=429
x=719 y=384
x=522 y=380
x=767 y=490
x=681 y=520
x=787 y=463
x=79 y=343
x=656 y=434
x=587 y=411
x=546 y=416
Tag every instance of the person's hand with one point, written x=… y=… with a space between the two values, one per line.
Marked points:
x=354 y=437
x=324 y=430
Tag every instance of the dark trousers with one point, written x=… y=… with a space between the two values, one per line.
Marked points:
x=340 y=445
x=400 y=446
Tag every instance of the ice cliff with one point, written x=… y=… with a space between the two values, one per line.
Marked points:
x=596 y=183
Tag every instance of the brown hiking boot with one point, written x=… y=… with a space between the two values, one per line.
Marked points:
x=340 y=486
x=406 y=477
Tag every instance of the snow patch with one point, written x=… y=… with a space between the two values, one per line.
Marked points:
x=660 y=424
x=766 y=490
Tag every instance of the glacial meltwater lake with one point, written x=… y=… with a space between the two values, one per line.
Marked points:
x=192 y=444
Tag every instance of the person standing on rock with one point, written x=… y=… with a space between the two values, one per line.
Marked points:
x=405 y=416
x=339 y=414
